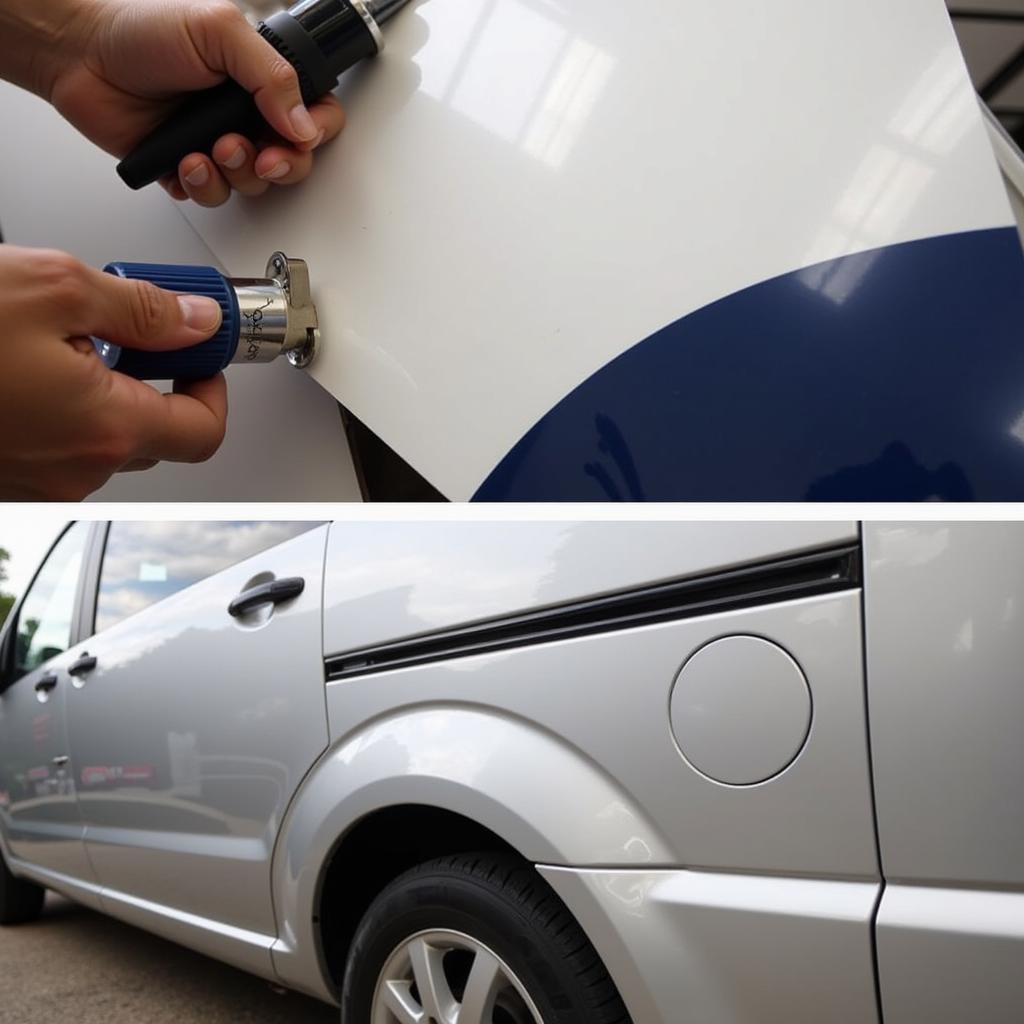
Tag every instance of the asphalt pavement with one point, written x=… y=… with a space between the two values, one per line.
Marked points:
x=76 y=965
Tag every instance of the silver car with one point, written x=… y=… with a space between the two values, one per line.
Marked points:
x=537 y=773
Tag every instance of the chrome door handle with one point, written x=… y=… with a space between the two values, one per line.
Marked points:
x=84 y=665
x=274 y=592
x=46 y=683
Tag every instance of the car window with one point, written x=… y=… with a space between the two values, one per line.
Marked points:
x=45 y=616
x=147 y=562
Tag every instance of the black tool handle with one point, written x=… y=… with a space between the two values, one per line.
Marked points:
x=194 y=128
x=327 y=38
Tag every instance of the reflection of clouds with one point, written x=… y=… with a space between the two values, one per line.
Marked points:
x=187 y=552
x=441 y=574
x=911 y=545
x=51 y=601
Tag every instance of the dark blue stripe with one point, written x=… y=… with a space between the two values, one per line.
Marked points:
x=892 y=375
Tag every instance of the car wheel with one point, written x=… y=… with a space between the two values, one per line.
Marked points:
x=20 y=901
x=474 y=939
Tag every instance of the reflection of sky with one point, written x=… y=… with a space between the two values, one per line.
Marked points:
x=51 y=600
x=145 y=562
x=514 y=68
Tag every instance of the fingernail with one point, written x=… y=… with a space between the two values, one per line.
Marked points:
x=277 y=171
x=303 y=123
x=198 y=176
x=237 y=158
x=319 y=138
x=200 y=313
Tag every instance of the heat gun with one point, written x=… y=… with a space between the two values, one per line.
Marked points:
x=321 y=39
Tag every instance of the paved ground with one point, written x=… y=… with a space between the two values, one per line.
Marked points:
x=76 y=965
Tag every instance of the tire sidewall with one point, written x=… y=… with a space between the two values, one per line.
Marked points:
x=438 y=901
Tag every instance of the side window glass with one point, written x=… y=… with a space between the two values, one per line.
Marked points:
x=146 y=562
x=44 y=620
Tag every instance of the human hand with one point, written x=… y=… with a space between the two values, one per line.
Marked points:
x=131 y=61
x=67 y=423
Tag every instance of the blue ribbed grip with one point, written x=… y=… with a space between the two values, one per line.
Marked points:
x=198 y=361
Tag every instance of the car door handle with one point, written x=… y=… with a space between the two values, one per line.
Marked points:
x=46 y=683
x=84 y=665
x=274 y=592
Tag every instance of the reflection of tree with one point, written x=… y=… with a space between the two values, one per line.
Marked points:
x=6 y=600
x=26 y=632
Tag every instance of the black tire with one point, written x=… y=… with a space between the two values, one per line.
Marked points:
x=502 y=902
x=20 y=901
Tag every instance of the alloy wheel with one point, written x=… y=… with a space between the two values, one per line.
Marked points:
x=446 y=977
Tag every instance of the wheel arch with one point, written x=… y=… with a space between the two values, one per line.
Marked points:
x=486 y=776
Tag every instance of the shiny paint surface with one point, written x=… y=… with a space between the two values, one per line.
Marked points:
x=385 y=581
x=216 y=777
x=728 y=947
x=892 y=375
x=479 y=736
x=39 y=816
x=526 y=190
x=188 y=740
x=945 y=649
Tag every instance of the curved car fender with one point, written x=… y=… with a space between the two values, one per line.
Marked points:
x=536 y=792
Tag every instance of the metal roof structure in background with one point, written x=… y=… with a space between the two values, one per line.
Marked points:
x=992 y=35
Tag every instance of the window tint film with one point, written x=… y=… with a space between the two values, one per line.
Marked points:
x=44 y=621
x=146 y=562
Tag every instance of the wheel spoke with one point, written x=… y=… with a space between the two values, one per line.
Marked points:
x=484 y=984
x=428 y=970
x=400 y=1003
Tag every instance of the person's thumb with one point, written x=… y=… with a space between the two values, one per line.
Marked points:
x=230 y=44
x=138 y=314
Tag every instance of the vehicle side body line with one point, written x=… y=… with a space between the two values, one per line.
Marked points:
x=244 y=949
x=730 y=948
x=810 y=575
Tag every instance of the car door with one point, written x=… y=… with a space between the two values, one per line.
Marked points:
x=39 y=818
x=204 y=710
x=945 y=645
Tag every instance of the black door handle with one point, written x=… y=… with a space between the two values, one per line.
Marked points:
x=273 y=592
x=85 y=664
x=46 y=683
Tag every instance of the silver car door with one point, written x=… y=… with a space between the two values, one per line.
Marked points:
x=198 y=722
x=39 y=820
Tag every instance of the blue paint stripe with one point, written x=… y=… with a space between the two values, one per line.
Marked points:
x=891 y=375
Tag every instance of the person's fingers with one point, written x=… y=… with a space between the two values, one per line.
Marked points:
x=281 y=165
x=139 y=466
x=172 y=186
x=329 y=117
x=186 y=426
x=227 y=42
x=201 y=180
x=235 y=156
x=135 y=314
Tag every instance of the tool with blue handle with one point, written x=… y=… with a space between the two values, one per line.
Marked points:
x=263 y=318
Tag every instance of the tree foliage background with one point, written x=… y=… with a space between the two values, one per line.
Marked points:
x=6 y=600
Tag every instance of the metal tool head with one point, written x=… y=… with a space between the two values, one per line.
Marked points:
x=303 y=338
x=383 y=10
